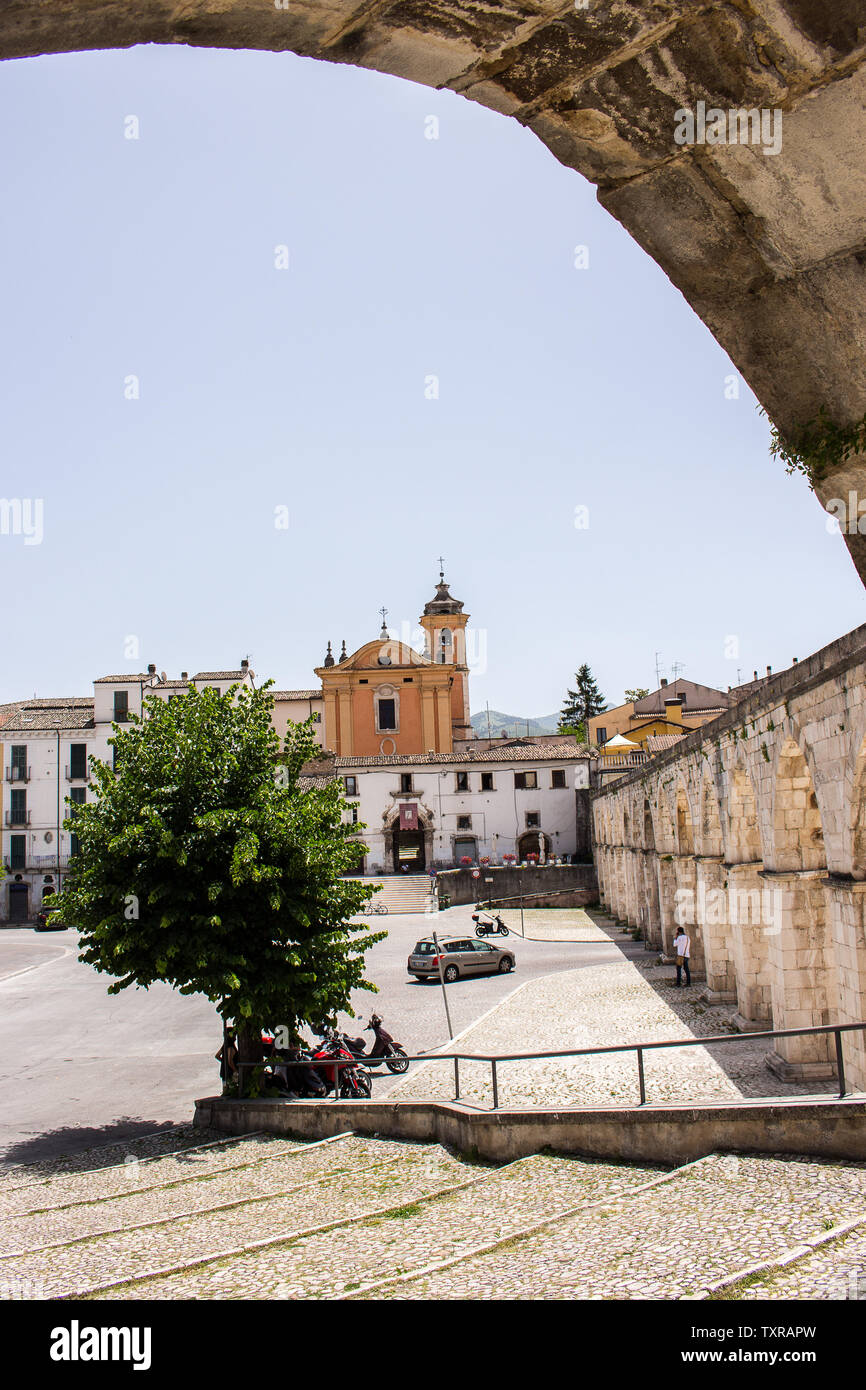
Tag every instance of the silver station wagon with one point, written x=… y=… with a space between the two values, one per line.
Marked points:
x=461 y=956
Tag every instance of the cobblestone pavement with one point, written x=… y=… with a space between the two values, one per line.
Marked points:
x=836 y=1271
x=605 y=1004
x=665 y=1242
x=321 y=1266
x=160 y=1194
x=403 y=1173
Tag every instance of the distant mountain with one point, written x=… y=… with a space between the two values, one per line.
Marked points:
x=512 y=724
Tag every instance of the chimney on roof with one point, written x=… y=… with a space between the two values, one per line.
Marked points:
x=151 y=670
x=184 y=675
x=664 y=681
x=754 y=675
x=245 y=665
x=674 y=710
x=794 y=662
x=769 y=670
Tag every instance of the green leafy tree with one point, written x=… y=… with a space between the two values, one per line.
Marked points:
x=632 y=696
x=203 y=863
x=581 y=704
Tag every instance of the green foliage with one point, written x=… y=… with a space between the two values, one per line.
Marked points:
x=631 y=697
x=581 y=705
x=819 y=446
x=203 y=864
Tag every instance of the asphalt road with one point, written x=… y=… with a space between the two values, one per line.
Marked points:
x=82 y=1067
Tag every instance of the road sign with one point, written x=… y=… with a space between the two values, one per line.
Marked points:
x=476 y=873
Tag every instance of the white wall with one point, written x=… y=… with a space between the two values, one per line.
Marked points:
x=498 y=817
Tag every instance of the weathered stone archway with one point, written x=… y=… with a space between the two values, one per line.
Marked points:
x=767 y=248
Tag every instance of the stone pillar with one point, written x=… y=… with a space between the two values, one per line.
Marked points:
x=712 y=915
x=802 y=971
x=652 y=922
x=632 y=895
x=667 y=887
x=749 y=946
x=685 y=909
x=846 y=924
x=615 y=880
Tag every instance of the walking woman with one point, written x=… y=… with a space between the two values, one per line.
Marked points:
x=683 y=948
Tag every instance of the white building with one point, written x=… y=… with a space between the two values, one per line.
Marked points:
x=46 y=746
x=432 y=810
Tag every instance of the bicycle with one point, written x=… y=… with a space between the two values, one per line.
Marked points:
x=379 y=909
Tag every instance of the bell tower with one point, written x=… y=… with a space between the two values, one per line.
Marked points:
x=444 y=624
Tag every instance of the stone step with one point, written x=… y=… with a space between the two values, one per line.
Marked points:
x=708 y=1221
x=142 y=1174
x=835 y=1271
x=402 y=894
x=94 y=1261
x=328 y=1264
x=260 y=1178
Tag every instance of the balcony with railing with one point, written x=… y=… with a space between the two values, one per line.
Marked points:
x=43 y=863
x=17 y=773
x=75 y=772
x=18 y=817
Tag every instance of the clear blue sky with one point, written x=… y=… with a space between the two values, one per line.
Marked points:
x=305 y=388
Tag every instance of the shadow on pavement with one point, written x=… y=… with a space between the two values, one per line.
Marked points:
x=56 y=1150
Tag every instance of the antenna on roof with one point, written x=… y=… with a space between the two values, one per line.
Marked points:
x=676 y=667
x=658 y=671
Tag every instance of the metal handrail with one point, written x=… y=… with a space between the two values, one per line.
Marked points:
x=639 y=1048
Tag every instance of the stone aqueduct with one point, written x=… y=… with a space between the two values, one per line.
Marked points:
x=751 y=832
x=770 y=251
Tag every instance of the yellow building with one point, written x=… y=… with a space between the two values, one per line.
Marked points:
x=388 y=699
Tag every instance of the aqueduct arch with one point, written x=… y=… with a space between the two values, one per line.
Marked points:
x=779 y=916
x=767 y=248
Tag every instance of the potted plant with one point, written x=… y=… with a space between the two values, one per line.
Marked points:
x=465 y=861
x=532 y=858
x=508 y=859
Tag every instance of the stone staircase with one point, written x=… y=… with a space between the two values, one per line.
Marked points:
x=403 y=892
x=364 y=1218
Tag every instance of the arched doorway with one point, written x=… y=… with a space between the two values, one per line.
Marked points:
x=530 y=843
x=408 y=851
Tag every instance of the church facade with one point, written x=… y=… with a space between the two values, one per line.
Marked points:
x=430 y=793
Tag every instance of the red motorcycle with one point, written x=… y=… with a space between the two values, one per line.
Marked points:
x=354 y=1082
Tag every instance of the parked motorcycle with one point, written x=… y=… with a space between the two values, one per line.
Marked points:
x=384 y=1049
x=354 y=1082
x=489 y=924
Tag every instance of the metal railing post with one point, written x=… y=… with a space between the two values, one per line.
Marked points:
x=640 y=1076
x=840 y=1064
x=456 y=1078
x=495 y=1083
x=336 y=1079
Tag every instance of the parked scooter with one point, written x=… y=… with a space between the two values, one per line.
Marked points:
x=488 y=923
x=355 y=1083
x=384 y=1049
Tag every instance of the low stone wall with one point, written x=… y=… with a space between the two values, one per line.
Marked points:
x=668 y=1135
x=575 y=884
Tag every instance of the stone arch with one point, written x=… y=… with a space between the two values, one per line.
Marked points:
x=666 y=838
x=685 y=823
x=744 y=831
x=649 y=837
x=798 y=835
x=598 y=86
x=711 y=821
